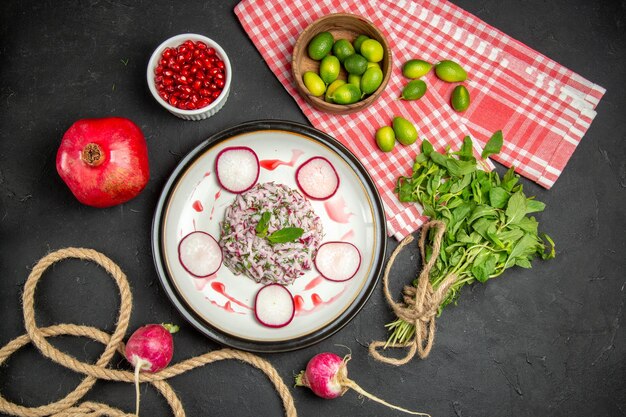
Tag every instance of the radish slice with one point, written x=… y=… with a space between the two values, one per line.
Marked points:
x=338 y=261
x=317 y=178
x=274 y=306
x=200 y=254
x=237 y=168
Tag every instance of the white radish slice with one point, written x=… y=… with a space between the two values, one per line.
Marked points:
x=317 y=178
x=337 y=261
x=200 y=254
x=274 y=306
x=237 y=168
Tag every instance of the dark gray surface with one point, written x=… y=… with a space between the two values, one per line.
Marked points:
x=546 y=341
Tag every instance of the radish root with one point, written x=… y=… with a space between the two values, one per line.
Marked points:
x=138 y=367
x=348 y=383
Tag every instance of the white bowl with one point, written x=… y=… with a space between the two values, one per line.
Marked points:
x=197 y=114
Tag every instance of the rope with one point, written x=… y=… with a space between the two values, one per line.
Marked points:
x=69 y=406
x=419 y=304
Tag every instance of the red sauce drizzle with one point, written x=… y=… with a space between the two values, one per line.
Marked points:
x=314 y=283
x=197 y=206
x=337 y=210
x=272 y=164
x=347 y=236
x=298 y=301
x=316 y=299
x=220 y=288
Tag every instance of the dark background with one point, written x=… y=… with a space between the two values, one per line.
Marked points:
x=545 y=341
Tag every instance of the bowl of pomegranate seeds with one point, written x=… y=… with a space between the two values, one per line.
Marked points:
x=190 y=75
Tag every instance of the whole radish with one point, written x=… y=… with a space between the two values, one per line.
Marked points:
x=326 y=375
x=150 y=348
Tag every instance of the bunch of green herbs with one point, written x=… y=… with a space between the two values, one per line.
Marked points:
x=488 y=227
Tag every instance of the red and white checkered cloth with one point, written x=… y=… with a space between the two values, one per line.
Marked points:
x=542 y=108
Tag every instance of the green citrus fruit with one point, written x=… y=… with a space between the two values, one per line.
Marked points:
x=404 y=130
x=343 y=49
x=314 y=83
x=354 y=79
x=460 y=98
x=371 y=80
x=331 y=89
x=385 y=139
x=414 y=90
x=355 y=64
x=372 y=50
x=320 y=45
x=346 y=94
x=358 y=41
x=450 y=71
x=329 y=68
x=416 y=68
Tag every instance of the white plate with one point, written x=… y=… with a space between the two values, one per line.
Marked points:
x=222 y=305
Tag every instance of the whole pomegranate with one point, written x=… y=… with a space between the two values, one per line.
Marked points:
x=103 y=161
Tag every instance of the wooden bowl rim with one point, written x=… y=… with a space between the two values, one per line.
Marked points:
x=319 y=103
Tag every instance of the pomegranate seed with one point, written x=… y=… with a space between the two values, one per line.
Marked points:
x=190 y=75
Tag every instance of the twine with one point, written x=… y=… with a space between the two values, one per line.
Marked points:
x=419 y=304
x=68 y=406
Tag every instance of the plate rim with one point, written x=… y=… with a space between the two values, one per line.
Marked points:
x=270 y=346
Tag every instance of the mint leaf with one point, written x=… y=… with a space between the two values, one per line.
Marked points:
x=494 y=145
x=285 y=235
x=263 y=224
x=498 y=197
x=427 y=147
x=516 y=208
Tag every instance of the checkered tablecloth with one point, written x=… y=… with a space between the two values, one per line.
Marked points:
x=543 y=108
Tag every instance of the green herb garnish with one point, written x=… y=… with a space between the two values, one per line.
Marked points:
x=285 y=235
x=263 y=224
x=488 y=229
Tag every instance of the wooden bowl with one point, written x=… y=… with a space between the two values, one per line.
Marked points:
x=340 y=25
